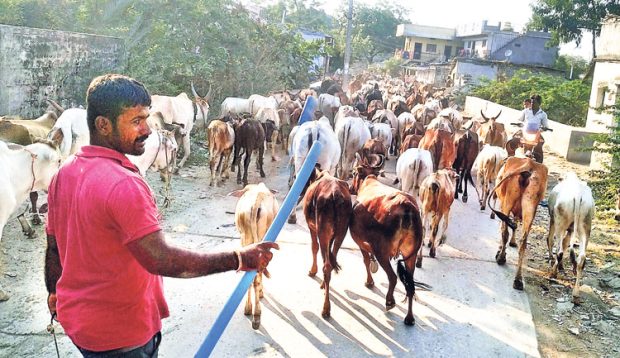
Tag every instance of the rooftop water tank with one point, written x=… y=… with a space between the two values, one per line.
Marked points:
x=506 y=26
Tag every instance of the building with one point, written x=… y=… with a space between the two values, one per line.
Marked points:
x=477 y=40
x=428 y=44
x=469 y=71
x=320 y=63
x=605 y=77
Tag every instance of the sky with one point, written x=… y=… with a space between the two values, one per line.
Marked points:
x=449 y=13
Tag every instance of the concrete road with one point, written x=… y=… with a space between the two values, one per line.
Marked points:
x=471 y=311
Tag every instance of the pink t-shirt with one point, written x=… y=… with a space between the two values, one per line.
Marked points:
x=98 y=203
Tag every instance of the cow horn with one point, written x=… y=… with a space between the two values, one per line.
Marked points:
x=208 y=96
x=376 y=158
x=500 y=112
x=194 y=90
x=483 y=116
x=55 y=105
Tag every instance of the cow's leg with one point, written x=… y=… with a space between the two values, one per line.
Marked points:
x=500 y=256
x=261 y=152
x=248 y=303
x=274 y=138
x=513 y=239
x=528 y=218
x=327 y=275
x=561 y=249
x=551 y=237
x=466 y=175
x=34 y=196
x=246 y=164
x=186 y=150
x=444 y=227
x=212 y=168
x=257 y=295
x=434 y=233
x=579 y=266
x=369 y=281
x=220 y=167
x=410 y=269
x=458 y=188
x=387 y=267
x=225 y=173
x=315 y=250
x=418 y=262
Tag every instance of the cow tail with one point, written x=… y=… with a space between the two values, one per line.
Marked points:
x=345 y=139
x=438 y=149
x=408 y=220
x=330 y=255
x=576 y=227
x=523 y=181
x=435 y=195
x=255 y=217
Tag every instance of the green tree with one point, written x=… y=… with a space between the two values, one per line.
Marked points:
x=566 y=63
x=606 y=183
x=564 y=101
x=306 y=15
x=570 y=18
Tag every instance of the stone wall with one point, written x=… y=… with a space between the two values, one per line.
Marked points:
x=566 y=141
x=36 y=64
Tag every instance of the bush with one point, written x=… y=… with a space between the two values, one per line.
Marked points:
x=605 y=183
x=564 y=101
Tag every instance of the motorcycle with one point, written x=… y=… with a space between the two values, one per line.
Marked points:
x=530 y=142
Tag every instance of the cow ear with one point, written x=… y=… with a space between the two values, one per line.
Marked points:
x=273 y=191
x=237 y=193
x=56 y=137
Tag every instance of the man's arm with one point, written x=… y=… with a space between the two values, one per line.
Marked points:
x=544 y=121
x=53 y=270
x=521 y=117
x=157 y=257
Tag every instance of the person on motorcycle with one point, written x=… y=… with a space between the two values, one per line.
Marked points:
x=534 y=119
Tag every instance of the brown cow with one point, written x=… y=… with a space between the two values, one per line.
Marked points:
x=221 y=138
x=441 y=145
x=491 y=132
x=373 y=146
x=437 y=194
x=327 y=207
x=385 y=223
x=522 y=184
x=411 y=141
x=373 y=106
x=249 y=137
x=466 y=143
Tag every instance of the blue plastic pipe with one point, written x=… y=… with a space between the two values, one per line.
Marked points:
x=287 y=207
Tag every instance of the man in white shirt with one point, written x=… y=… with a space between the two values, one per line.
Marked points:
x=534 y=119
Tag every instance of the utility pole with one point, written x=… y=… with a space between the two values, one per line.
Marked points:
x=347 y=49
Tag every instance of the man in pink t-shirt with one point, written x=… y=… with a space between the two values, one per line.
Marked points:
x=106 y=251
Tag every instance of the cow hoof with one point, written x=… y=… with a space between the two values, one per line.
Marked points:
x=311 y=274
x=36 y=220
x=389 y=305
x=464 y=199
x=248 y=311
x=512 y=244
x=432 y=253
x=500 y=259
x=325 y=315
x=292 y=220
x=211 y=184
x=409 y=320
x=370 y=284
x=492 y=215
x=577 y=300
x=256 y=323
x=239 y=182
x=517 y=285
x=429 y=244
x=418 y=263
x=374 y=266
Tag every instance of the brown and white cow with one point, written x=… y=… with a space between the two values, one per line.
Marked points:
x=410 y=141
x=256 y=209
x=221 y=138
x=441 y=145
x=492 y=132
x=487 y=165
x=437 y=195
x=386 y=223
x=522 y=185
x=571 y=209
x=327 y=208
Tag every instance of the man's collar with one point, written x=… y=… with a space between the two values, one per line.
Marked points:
x=95 y=151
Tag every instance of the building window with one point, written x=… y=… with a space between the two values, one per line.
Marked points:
x=484 y=43
x=431 y=48
x=600 y=101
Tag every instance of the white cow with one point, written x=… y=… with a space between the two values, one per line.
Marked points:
x=269 y=114
x=256 y=102
x=71 y=129
x=571 y=209
x=344 y=111
x=302 y=138
x=160 y=148
x=383 y=132
x=256 y=209
x=329 y=105
x=352 y=133
x=234 y=105
x=412 y=167
x=487 y=166
x=182 y=111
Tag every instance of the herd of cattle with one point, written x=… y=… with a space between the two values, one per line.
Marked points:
x=436 y=149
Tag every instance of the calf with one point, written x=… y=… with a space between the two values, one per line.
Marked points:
x=221 y=138
x=437 y=195
x=386 y=223
x=410 y=141
x=328 y=209
x=412 y=167
x=487 y=165
x=466 y=143
x=522 y=184
x=571 y=209
x=266 y=115
x=249 y=137
x=255 y=211
x=441 y=145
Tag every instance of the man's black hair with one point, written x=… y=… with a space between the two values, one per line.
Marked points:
x=536 y=98
x=110 y=94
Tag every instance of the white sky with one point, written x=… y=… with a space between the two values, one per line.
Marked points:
x=449 y=13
